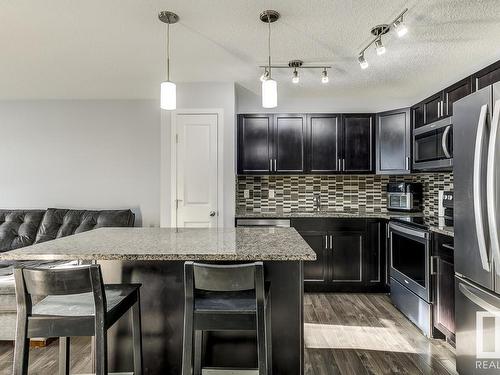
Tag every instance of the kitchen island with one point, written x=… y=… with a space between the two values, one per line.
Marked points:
x=155 y=258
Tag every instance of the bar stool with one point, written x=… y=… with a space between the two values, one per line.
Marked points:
x=75 y=303
x=225 y=298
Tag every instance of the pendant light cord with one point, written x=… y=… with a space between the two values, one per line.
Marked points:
x=269 y=41
x=168 y=51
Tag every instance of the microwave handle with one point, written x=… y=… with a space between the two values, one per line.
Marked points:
x=444 y=142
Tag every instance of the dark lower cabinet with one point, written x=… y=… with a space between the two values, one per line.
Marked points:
x=443 y=287
x=350 y=254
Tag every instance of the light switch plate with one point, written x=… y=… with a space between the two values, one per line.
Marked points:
x=271 y=193
x=246 y=193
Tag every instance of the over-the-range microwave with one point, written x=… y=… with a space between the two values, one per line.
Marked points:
x=433 y=146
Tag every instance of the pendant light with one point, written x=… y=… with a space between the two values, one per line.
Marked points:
x=168 y=90
x=269 y=85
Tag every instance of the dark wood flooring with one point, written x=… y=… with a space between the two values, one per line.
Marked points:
x=348 y=334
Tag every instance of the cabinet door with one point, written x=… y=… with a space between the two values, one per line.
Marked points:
x=347 y=257
x=255 y=144
x=357 y=145
x=374 y=257
x=289 y=141
x=417 y=115
x=456 y=92
x=393 y=142
x=432 y=108
x=316 y=271
x=486 y=76
x=323 y=141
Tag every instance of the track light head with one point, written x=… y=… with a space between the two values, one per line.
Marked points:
x=324 y=76
x=379 y=46
x=400 y=27
x=362 y=61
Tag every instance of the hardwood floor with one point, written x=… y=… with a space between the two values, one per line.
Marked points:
x=348 y=334
x=365 y=334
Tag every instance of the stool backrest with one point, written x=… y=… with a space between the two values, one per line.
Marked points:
x=64 y=281
x=225 y=278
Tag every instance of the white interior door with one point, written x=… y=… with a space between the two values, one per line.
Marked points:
x=196 y=174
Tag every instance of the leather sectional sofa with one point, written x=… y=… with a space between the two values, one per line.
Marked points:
x=19 y=228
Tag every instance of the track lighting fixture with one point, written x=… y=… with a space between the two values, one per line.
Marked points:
x=168 y=90
x=379 y=47
x=295 y=77
x=324 y=76
x=362 y=61
x=377 y=32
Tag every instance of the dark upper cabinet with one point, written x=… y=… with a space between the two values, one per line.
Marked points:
x=255 y=151
x=393 y=142
x=317 y=271
x=456 y=92
x=486 y=76
x=289 y=140
x=357 y=144
x=347 y=256
x=417 y=115
x=324 y=143
x=433 y=108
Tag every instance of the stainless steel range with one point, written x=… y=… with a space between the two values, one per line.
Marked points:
x=410 y=270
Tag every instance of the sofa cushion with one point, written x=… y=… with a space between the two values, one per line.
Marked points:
x=63 y=222
x=18 y=228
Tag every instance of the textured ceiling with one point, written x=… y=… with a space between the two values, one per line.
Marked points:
x=115 y=48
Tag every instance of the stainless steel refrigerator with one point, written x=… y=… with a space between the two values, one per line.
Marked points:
x=476 y=145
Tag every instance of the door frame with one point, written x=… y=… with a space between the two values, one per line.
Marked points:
x=168 y=183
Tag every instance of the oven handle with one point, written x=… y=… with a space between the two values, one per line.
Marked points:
x=409 y=231
x=476 y=189
x=444 y=142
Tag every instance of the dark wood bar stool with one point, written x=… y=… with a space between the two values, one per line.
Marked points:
x=74 y=302
x=225 y=298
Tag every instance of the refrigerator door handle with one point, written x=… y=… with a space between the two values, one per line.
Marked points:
x=471 y=295
x=444 y=142
x=476 y=189
x=491 y=185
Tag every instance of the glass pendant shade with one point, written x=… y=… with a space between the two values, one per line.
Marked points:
x=168 y=99
x=269 y=93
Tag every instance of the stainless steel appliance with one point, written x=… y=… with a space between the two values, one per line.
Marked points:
x=404 y=196
x=476 y=218
x=270 y=223
x=433 y=146
x=410 y=270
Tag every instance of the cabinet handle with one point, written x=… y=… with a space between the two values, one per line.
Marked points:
x=340 y=164
x=270 y=165
x=275 y=165
x=407 y=163
x=343 y=164
x=433 y=268
x=331 y=242
x=326 y=242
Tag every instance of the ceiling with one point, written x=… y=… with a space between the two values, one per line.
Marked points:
x=97 y=49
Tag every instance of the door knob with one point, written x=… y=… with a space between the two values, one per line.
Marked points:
x=212 y=213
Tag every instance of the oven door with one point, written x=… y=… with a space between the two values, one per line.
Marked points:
x=410 y=259
x=433 y=146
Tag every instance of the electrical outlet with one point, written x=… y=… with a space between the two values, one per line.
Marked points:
x=271 y=193
x=246 y=193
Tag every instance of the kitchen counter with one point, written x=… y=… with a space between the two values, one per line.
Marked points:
x=205 y=244
x=433 y=223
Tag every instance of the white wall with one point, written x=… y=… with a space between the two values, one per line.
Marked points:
x=81 y=154
x=99 y=154
x=206 y=95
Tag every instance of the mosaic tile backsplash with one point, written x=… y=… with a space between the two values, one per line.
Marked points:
x=346 y=193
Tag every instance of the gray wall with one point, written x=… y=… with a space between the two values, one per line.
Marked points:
x=81 y=154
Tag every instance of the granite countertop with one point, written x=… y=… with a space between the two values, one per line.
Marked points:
x=210 y=244
x=433 y=223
